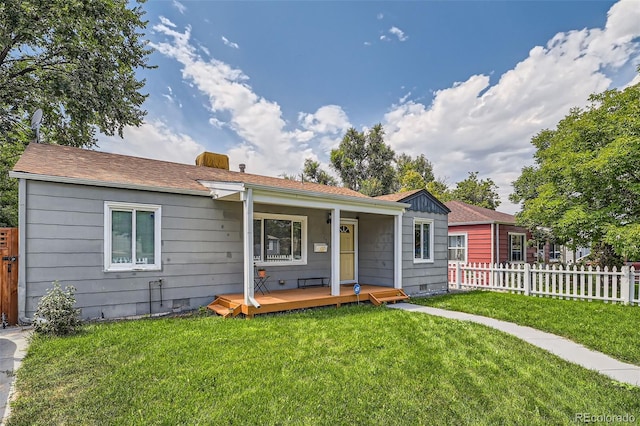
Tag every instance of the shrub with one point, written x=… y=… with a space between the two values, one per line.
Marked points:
x=56 y=313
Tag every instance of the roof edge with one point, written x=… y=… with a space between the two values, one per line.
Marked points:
x=484 y=222
x=314 y=194
x=107 y=184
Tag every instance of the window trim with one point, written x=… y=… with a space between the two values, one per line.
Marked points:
x=466 y=246
x=303 y=243
x=524 y=247
x=109 y=207
x=423 y=221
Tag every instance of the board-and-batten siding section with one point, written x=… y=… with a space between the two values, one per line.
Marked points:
x=201 y=250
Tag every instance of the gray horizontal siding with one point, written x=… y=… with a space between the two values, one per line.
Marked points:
x=376 y=253
x=375 y=249
x=201 y=249
x=427 y=277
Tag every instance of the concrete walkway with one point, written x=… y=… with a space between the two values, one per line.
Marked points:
x=13 y=348
x=564 y=348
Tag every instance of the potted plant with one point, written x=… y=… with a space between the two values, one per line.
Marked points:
x=262 y=272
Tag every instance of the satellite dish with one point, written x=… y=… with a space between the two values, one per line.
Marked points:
x=36 y=120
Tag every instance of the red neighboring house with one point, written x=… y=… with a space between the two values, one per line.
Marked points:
x=480 y=235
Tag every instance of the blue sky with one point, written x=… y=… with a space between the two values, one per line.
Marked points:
x=467 y=83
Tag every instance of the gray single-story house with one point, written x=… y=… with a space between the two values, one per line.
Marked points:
x=136 y=236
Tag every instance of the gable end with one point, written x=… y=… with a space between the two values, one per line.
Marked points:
x=424 y=202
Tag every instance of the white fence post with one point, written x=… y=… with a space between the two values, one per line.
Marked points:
x=626 y=284
x=458 y=273
x=527 y=279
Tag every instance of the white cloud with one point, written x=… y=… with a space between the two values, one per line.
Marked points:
x=230 y=43
x=167 y=22
x=181 y=7
x=327 y=119
x=367 y=43
x=398 y=33
x=205 y=50
x=153 y=140
x=384 y=38
x=474 y=126
x=267 y=146
x=380 y=16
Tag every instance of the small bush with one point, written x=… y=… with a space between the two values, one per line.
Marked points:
x=56 y=313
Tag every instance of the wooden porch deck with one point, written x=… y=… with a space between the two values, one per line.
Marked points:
x=300 y=298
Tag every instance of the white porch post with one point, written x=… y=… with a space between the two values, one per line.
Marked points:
x=247 y=207
x=397 y=251
x=335 y=252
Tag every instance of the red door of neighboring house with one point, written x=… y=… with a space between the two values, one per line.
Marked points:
x=9 y=275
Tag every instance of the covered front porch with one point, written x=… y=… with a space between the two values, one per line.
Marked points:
x=296 y=234
x=231 y=305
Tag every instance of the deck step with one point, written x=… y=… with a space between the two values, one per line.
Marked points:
x=224 y=307
x=385 y=296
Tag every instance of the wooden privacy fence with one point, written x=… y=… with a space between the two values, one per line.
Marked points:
x=570 y=282
x=9 y=276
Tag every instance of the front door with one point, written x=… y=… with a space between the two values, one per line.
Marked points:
x=348 y=251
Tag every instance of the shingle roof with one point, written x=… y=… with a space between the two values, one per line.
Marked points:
x=84 y=164
x=398 y=195
x=468 y=214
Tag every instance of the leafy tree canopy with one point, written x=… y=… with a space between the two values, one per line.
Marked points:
x=364 y=162
x=312 y=172
x=413 y=173
x=76 y=61
x=439 y=189
x=585 y=184
x=481 y=193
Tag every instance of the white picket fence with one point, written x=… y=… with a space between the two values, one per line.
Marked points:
x=571 y=282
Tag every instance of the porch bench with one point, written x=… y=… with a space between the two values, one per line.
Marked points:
x=303 y=282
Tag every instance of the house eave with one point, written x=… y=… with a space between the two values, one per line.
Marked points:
x=482 y=222
x=228 y=190
x=107 y=184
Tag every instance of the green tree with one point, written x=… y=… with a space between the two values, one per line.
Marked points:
x=439 y=189
x=477 y=192
x=365 y=162
x=75 y=60
x=312 y=172
x=413 y=173
x=585 y=184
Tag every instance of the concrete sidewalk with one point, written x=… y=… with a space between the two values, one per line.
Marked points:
x=13 y=348
x=564 y=348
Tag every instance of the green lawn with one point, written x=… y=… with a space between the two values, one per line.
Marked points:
x=353 y=365
x=605 y=327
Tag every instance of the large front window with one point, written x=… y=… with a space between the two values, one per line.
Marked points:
x=279 y=239
x=517 y=248
x=423 y=240
x=458 y=248
x=132 y=237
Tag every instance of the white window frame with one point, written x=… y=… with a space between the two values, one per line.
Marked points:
x=422 y=222
x=303 y=243
x=109 y=207
x=523 y=247
x=466 y=246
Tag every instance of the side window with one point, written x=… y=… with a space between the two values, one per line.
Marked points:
x=132 y=237
x=458 y=248
x=517 y=247
x=423 y=240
